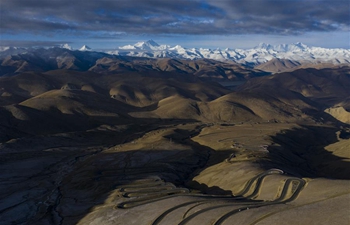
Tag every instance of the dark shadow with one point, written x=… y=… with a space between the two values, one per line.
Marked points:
x=54 y=121
x=209 y=157
x=344 y=134
x=205 y=189
x=302 y=152
x=214 y=157
x=69 y=176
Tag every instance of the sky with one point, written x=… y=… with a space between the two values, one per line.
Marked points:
x=108 y=24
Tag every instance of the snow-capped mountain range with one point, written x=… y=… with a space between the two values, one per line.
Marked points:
x=297 y=52
x=258 y=55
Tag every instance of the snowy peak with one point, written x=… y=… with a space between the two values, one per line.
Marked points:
x=301 y=45
x=4 y=48
x=297 y=47
x=264 y=46
x=177 y=47
x=262 y=53
x=85 y=48
x=145 y=45
x=283 y=47
x=127 y=47
x=148 y=44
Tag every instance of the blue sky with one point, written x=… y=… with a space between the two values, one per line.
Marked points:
x=107 y=24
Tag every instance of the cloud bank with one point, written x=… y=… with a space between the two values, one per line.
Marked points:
x=190 y=17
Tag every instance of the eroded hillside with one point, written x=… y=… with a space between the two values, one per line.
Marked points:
x=153 y=148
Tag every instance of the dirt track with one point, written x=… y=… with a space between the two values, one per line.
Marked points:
x=145 y=191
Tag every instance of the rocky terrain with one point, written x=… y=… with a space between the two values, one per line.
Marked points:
x=99 y=139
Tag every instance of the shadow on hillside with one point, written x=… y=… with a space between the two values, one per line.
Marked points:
x=70 y=181
x=302 y=152
x=212 y=158
x=26 y=122
x=93 y=182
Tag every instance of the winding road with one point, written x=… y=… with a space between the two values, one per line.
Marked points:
x=301 y=184
x=145 y=191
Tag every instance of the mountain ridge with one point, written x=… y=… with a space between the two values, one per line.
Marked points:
x=258 y=55
x=253 y=56
x=149 y=55
x=41 y=60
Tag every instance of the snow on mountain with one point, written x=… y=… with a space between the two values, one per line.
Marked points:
x=4 y=48
x=10 y=48
x=283 y=47
x=148 y=45
x=6 y=51
x=145 y=45
x=264 y=46
x=66 y=46
x=128 y=47
x=254 y=56
x=85 y=48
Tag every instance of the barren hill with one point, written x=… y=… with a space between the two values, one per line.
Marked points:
x=280 y=97
x=327 y=86
x=154 y=147
x=203 y=68
x=278 y=65
x=43 y=60
x=339 y=113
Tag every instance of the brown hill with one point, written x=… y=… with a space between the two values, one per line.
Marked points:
x=327 y=86
x=43 y=60
x=132 y=87
x=58 y=111
x=94 y=99
x=143 y=91
x=77 y=102
x=264 y=106
x=63 y=100
x=203 y=68
x=278 y=65
x=234 y=107
x=339 y=113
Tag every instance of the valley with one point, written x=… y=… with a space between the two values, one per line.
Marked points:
x=160 y=112
x=159 y=141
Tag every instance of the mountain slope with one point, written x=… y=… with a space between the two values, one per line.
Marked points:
x=339 y=113
x=204 y=68
x=326 y=86
x=41 y=60
x=264 y=57
x=284 y=96
x=263 y=53
x=278 y=65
